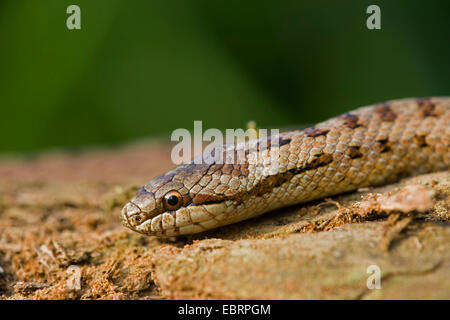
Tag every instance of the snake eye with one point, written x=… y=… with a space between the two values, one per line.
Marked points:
x=172 y=200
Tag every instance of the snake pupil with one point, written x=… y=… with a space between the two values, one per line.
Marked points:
x=172 y=200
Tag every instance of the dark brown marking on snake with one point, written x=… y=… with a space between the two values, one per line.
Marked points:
x=266 y=184
x=315 y=132
x=320 y=161
x=385 y=112
x=262 y=145
x=384 y=143
x=202 y=198
x=354 y=153
x=420 y=140
x=268 y=143
x=427 y=108
x=351 y=120
x=186 y=199
x=197 y=224
x=284 y=141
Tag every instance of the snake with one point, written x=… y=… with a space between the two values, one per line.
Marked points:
x=369 y=146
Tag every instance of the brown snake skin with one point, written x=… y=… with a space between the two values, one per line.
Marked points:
x=366 y=147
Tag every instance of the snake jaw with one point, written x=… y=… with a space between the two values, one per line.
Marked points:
x=186 y=220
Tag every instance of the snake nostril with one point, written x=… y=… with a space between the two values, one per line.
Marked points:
x=130 y=215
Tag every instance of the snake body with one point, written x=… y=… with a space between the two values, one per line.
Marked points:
x=369 y=146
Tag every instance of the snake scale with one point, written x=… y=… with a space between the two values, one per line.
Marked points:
x=369 y=146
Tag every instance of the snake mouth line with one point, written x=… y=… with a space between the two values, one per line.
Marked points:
x=146 y=228
x=166 y=224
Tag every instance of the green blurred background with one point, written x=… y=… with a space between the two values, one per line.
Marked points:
x=142 y=68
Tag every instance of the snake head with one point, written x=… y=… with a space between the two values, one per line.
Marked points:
x=178 y=202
